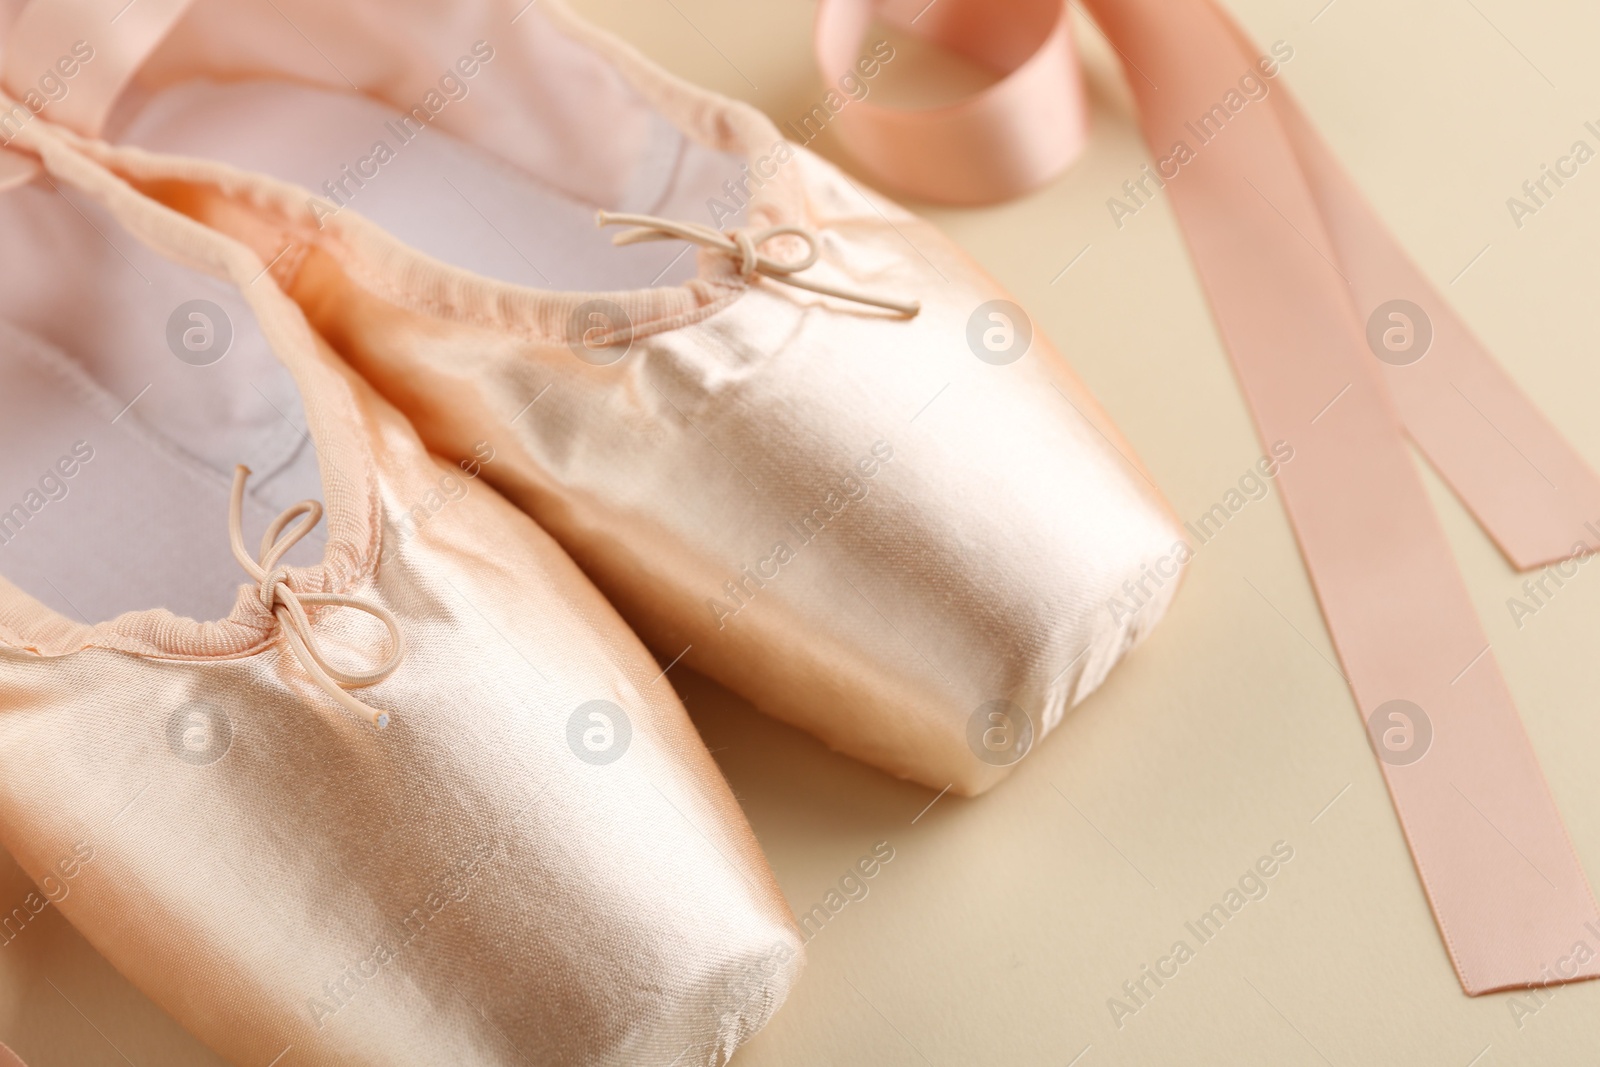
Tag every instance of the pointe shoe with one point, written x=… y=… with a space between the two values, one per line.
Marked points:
x=533 y=860
x=914 y=535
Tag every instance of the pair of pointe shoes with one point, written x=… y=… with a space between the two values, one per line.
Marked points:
x=884 y=528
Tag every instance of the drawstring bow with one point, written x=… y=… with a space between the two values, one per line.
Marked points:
x=743 y=246
x=289 y=607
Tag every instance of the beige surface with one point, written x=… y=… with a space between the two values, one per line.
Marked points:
x=1003 y=925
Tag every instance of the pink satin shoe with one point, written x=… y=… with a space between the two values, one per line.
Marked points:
x=823 y=460
x=534 y=860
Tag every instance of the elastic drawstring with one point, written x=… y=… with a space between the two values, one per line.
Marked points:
x=741 y=246
x=288 y=607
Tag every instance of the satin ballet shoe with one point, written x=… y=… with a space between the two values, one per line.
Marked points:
x=416 y=795
x=823 y=459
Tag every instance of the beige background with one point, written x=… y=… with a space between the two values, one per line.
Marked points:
x=1003 y=925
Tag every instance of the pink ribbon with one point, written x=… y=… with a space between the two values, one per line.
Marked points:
x=988 y=146
x=119 y=34
x=68 y=61
x=1344 y=349
x=1342 y=346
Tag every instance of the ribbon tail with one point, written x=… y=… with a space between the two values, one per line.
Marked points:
x=1294 y=264
x=1524 y=483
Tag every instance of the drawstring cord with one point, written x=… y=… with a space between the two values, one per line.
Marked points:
x=288 y=607
x=741 y=246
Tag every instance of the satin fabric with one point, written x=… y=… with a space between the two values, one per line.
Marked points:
x=713 y=482
x=460 y=887
x=1015 y=135
x=1400 y=615
x=1295 y=263
x=976 y=563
